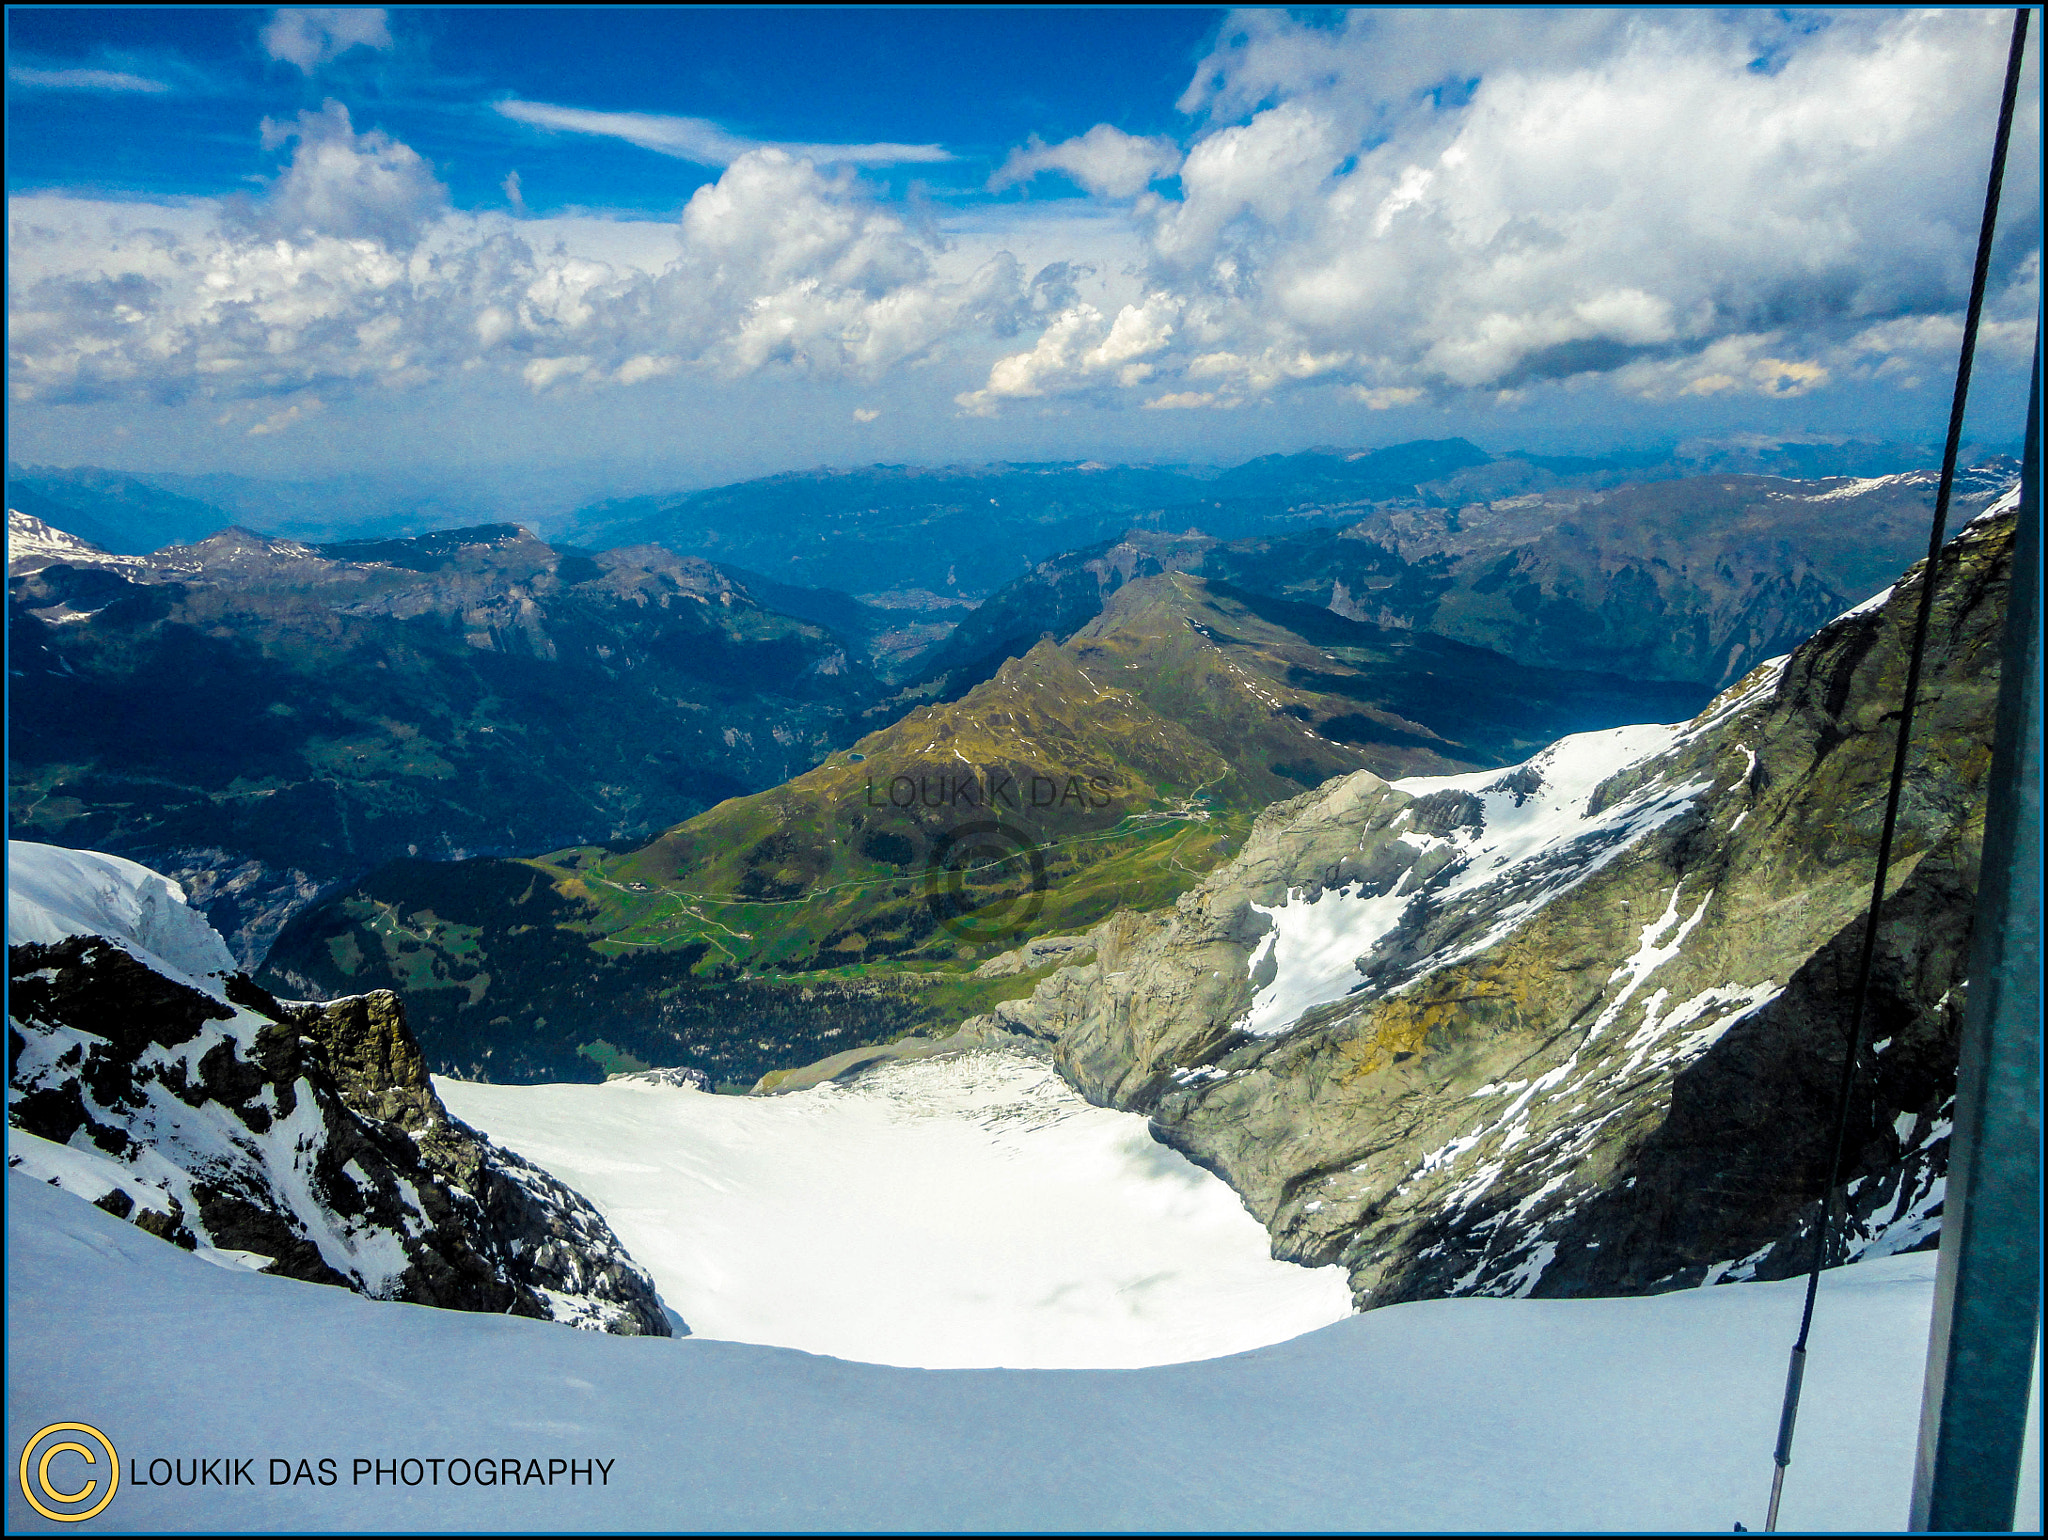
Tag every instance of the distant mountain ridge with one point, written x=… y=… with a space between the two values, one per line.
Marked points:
x=971 y=529
x=127 y=515
x=1694 y=579
x=264 y=717
x=989 y=521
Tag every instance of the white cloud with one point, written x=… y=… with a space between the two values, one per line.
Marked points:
x=1105 y=160
x=544 y=372
x=82 y=80
x=703 y=142
x=1416 y=203
x=1398 y=208
x=346 y=184
x=1080 y=351
x=1385 y=397
x=282 y=419
x=310 y=38
x=353 y=272
x=865 y=414
x=644 y=366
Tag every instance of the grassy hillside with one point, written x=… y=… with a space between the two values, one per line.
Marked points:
x=855 y=901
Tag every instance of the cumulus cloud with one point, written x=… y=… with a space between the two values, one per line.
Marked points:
x=1081 y=347
x=341 y=183
x=1105 y=160
x=1394 y=209
x=310 y=38
x=354 y=272
x=703 y=142
x=280 y=420
x=82 y=80
x=1416 y=204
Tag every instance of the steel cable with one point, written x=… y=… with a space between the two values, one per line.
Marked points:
x=1795 y=1372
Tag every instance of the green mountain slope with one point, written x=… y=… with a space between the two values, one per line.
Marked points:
x=854 y=902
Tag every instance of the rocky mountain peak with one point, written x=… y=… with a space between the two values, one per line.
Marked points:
x=148 y=1076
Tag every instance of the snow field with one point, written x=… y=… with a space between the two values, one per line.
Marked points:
x=54 y=893
x=1474 y=1415
x=970 y=1211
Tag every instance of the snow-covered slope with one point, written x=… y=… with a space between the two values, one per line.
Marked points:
x=33 y=544
x=948 y=1213
x=1630 y=1414
x=54 y=893
x=149 y=1077
x=1528 y=835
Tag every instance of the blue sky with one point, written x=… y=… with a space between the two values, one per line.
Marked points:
x=816 y=76
x=717 y=243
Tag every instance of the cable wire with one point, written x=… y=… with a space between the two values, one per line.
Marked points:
x=1795 y=1372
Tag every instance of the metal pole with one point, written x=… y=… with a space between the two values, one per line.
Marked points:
x=1987 y=1297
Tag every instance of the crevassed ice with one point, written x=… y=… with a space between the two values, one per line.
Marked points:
x=54 y=894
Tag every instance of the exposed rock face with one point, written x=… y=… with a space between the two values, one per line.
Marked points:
x=1575 y=1028
x=303 y=1140
x=245 y=900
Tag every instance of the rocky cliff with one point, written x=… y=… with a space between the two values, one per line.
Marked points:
x=1574 y=1028
x=149 y=1076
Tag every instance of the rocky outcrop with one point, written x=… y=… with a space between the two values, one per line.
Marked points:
x=1575 y=1028
x=299 y=1139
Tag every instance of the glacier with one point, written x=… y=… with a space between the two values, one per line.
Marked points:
x=970 y=1211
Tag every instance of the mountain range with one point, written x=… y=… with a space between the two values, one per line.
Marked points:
x=1695 y=579
x=1471 y=975
x=1575 y=1028
x=262 y=718
x=1564 y=1028
x=713 y=763
x=1110 y=768
x=1039 y=509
